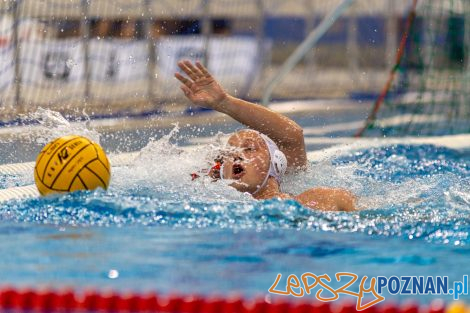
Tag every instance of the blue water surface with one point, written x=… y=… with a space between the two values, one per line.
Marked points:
x=154 y=229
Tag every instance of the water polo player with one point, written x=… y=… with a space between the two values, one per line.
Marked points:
x=256 y=158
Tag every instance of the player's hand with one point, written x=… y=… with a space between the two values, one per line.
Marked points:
x=200 y=87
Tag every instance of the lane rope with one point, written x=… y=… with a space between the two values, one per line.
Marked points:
x=30 y=300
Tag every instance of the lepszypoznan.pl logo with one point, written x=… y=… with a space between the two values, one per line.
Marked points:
x=375 y=287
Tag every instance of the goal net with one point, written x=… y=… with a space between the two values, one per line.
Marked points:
x=430 y=91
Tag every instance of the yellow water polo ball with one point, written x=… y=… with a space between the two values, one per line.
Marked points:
x=71 y=163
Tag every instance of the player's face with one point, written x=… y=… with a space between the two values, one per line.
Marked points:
x=247 y=161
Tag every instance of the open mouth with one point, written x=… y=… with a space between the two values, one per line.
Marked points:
x=237 y=171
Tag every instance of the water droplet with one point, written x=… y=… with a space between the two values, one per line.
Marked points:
x=70 y=63
x=113 y=274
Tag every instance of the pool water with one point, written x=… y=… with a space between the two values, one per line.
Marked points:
x=155 y=229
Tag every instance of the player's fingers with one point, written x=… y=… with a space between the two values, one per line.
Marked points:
x=187 y=70
x=203 y=70
x=193 y=69
x=183 y=79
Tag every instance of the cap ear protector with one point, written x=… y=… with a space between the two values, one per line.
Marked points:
x=279 y=162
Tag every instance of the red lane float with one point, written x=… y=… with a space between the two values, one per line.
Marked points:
x=30 y=300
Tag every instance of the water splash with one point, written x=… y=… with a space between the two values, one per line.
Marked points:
x=53 y=125
x=164 y=169
x=38 y=129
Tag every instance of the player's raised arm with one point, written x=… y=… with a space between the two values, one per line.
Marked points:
x=202 y=89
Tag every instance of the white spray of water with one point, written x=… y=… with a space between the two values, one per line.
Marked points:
x=164 y=170
x=53 y=125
